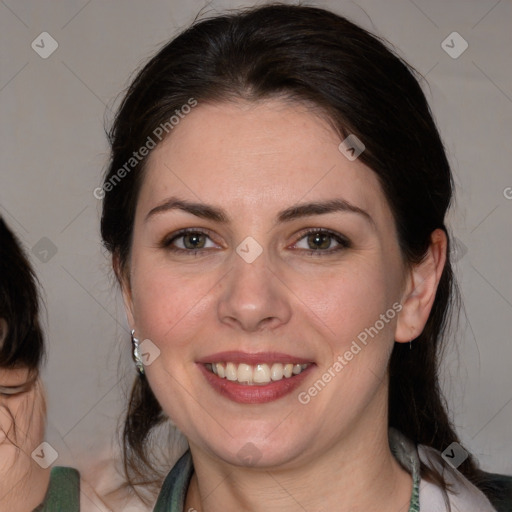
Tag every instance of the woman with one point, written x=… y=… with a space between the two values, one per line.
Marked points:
x=24 y=472
x=275 y=209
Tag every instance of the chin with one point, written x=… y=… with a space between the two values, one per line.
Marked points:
x=257 y=451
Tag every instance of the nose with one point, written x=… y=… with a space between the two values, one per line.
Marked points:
x=253 y=298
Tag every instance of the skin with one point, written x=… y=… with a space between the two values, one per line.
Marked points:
x=23 y=483
x=255 y=160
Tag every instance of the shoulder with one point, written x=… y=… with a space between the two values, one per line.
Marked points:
x=72 y=491
x=463 y=495
x=63 y=490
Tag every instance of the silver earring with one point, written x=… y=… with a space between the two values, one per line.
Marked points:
x=136 y=354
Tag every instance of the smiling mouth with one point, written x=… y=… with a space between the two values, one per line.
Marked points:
x=257 y=374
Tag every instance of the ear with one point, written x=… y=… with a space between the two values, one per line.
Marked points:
x=123 y=278
x=420 y=289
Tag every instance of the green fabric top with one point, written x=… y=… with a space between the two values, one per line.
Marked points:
x=174 y=491
x=63 y=492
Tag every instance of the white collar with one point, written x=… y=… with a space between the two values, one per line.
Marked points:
x=463 y=497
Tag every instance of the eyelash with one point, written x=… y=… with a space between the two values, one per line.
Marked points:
x=343 y=242
x=8 y=391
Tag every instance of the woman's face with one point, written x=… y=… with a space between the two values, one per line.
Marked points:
x=22 y=423
x=22 y=417
x=250 y=289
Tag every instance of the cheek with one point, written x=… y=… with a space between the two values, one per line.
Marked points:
x=349 y=301
x=38 y=412
x=356 y=316
x=167 y=305
x=22 y=420
x=5 y=424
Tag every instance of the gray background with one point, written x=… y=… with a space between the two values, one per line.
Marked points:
x=54 y=151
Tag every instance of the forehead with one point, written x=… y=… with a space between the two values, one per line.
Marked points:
x=263 y=155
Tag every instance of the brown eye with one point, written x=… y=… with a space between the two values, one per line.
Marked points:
x=194 y=240
x=189 y=241
x=321 y=241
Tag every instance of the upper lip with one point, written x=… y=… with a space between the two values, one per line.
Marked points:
x=235 y=356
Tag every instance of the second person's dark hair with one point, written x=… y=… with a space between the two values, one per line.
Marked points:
x=23 y=345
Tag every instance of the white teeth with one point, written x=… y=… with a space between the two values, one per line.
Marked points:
x=244 y=373
x=256 y=374
x=220 y=370
x=276 y=372
x=261 y=374
x=231 y=373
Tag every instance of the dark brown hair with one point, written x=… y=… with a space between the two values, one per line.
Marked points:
x=23 y=346
x=310 y=55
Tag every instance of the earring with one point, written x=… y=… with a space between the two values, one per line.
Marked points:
x=136 y=354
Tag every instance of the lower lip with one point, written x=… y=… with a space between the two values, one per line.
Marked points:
x=256 y=394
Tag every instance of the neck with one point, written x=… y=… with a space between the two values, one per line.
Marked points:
x=358 y=472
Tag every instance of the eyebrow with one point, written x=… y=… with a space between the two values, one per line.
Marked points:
x=217 y=214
